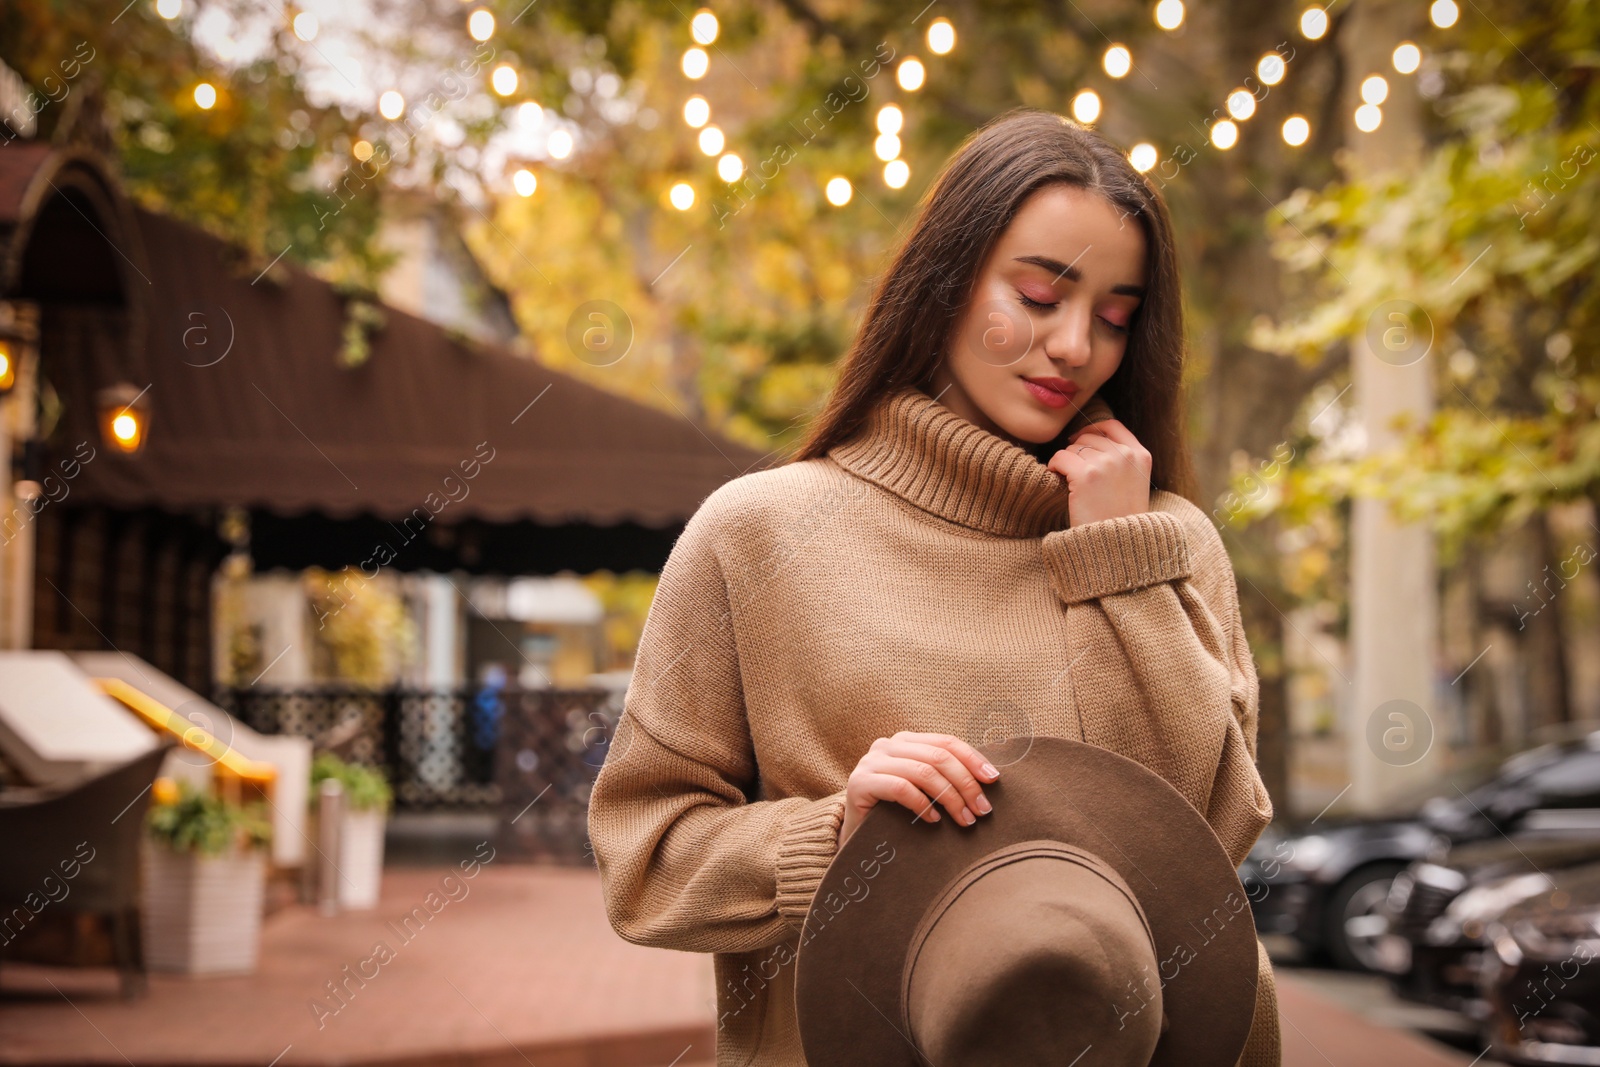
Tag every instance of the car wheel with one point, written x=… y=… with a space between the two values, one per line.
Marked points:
x=1355 y=920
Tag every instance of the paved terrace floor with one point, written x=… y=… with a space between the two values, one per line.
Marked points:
x=522 y=971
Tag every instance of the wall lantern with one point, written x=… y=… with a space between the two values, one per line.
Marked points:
x=124 y=417
x=16 y=330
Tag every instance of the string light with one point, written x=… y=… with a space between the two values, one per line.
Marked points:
x=169 y=9
x=729 y=167
x=890 y=119
x=896 y=173
x=305 y=26
x=1224 y=134
x=504 y=79
x=887 y=146
x=1241 y=104
x=941 y=37
x=1313 y=23
x=1444 y=13
x=910 y=74
x=1118 y=61
x=1296 y=130
x=1368 y=117
x=362 y=150
x=1086 y=106
x=391 y=105
x=524 y=182
x=696 y=63
x=480 y=25
x=1143 y=156
x=696 y=111
x=205 y=96
x=681 y=196
x=1271 y=69
x=1374 y=89
x=559 y=144
x=711 y=140
x=1169 y=14
x=529 y=113
x=703 y=27
x=1407 y=57
x=838 y=191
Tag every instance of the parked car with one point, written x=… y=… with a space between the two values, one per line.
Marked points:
x=1326 y=883
x=1541 y=979
x=1439 y=911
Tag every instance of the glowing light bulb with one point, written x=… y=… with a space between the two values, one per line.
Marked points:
x=1271 y=69
x=696 y=63
x=391 y=105
x=890 y=119
x=480 y=25
x=910 y=74
x=559 y=144
x=1224 y=134
x=1117 y=61
x=169 y=9
x=941 y=36
x=711 y=140
x=703 y=27
x=1368 y=117
x=1296 y=130
x=524 y=182
x=504 y=79
x=1241 y=104
x=896 y=173
x=730 y=167
x=1407 y=57
x=205 y=96
x=1444 y=13
x=696 y=111
x=838 y=191
x=887 y=146
x=1169 y=14
x=1313 y=23
x=681 y=196
x=1086 y=106
x=305 y=26
x=1143 y=156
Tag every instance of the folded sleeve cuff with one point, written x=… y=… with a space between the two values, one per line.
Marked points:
x=806 y=848
x=1116 y=555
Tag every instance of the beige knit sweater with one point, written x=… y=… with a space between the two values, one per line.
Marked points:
x=923 y=576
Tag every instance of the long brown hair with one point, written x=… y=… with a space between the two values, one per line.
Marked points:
x=915 y=305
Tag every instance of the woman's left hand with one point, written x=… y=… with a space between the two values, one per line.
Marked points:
x=1107 y=472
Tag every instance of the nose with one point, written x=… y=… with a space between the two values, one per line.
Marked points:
x=1069 y=341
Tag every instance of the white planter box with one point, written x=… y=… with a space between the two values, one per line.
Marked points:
x=202 y=914
x=361 y=858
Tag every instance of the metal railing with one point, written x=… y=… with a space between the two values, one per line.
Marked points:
x=531 y=755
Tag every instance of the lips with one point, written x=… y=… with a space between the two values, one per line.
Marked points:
x=1052 y=392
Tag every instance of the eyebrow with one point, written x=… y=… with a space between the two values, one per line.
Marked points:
x=1073 y=274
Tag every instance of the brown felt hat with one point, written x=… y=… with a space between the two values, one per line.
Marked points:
x=1092 y=918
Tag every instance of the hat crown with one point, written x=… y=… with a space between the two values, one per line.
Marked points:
x=1034 y=953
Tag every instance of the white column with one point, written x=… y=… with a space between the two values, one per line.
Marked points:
x=1393 y=735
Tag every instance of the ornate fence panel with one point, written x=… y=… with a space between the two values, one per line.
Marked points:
x=530 y=755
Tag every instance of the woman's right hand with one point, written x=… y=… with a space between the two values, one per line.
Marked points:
x=918 y=771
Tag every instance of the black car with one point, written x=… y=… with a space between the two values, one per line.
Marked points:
x=1326 y=883
x=1439 y=909
x=1541 y=979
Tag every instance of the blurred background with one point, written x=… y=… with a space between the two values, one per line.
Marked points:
x=360 y=362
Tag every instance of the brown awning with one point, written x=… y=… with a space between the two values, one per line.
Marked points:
x=277 y=424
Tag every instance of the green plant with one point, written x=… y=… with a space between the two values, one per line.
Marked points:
x=190 y=820
x=364 y=787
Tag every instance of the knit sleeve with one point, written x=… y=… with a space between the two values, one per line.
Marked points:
x=687 y=858
x=1155 y=592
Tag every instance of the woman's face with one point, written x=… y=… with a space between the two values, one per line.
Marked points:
x=1048 y=320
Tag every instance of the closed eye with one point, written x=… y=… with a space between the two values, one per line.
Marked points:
x=1037 y=306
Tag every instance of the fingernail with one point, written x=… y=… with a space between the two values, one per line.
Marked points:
x=984 y=807
x=967 y=818
x=989 y=770
x=936 y=816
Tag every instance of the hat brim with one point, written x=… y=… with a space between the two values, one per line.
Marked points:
x=853 y=942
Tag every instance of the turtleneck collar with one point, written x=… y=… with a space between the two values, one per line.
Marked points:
x=920 y=450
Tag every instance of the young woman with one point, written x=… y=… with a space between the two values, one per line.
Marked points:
x=989 y=531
